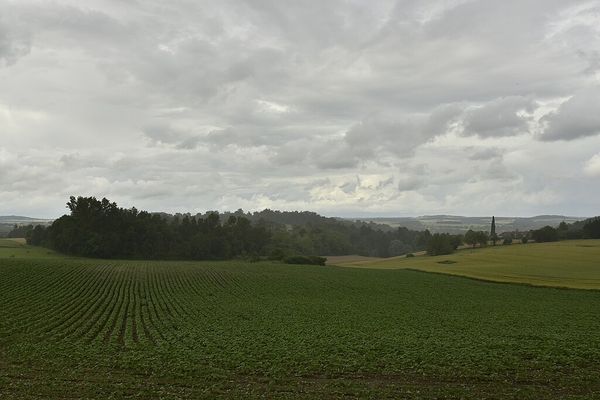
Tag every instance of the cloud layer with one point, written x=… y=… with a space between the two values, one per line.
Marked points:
x=346 y=108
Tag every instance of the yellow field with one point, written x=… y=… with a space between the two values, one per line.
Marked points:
x=573 y=264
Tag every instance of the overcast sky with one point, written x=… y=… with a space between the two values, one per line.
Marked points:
x=346 y=108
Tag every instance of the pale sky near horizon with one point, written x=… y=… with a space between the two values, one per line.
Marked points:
x=346 y=108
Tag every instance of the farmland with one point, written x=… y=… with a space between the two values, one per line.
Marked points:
x=85 y=328
x=572 y=263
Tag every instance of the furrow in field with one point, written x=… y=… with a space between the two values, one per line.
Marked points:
x=114 y=317
x=172 y=316
x=20 y=275
x=101 y=313
x=111 y=304
x=164 y=296
x=63 y=298
x=195 y=297
x=91 y=307
x=170 y=294
x=146 y=309
x=88 y=288
x=140 y=332
x=183 y=294
x=41 y=294
x=134 y=311
x=126 y=309
x=161 y=321
x=68 y=310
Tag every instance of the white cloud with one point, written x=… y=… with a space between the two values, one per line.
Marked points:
x=592 y=166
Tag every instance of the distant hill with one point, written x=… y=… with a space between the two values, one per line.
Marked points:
x=460 y=224
x=7 y=222
x=16 y=219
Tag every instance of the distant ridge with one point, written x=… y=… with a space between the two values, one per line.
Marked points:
x=10 y=218
x=460 y=224
x=17 y=219
x=7 y=222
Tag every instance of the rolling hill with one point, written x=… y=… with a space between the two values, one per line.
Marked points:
x=460 y=224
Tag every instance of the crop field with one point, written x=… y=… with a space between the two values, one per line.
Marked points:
x=572 y=264
x=83 y=328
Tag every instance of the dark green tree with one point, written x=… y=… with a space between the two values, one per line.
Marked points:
x=545 y=234
x=470 y=238
x=439 y=244
x=493 y=236
x=99 y=228
x=591 y=229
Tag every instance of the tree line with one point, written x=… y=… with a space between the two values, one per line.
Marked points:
x=100 y=228
x=443 y=243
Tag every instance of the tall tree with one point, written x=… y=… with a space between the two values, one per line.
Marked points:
x=493 y=235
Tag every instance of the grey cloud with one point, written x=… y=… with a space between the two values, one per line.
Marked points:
x=334 y=155
x=399 y=135
x=223 y=137
x=15 y=42
x=484 y=153
x=257 y=100
x=576 y=118
x=349 y=187
x=500 y=117
x=386 y=182
x=163 y=132
x=593 y=59
x=440 y=119
x=290 y=153
x=73 y=161
x=381 y=133
x=496 y=170
x=409 y=183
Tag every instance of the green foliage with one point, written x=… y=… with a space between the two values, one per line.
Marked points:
x=493 y=235
x=545 y=234
x=564 y=231
x=456 y=241
x=22 y=231
x=305 y=260
x=507 y=240
x=591 y=229
x=525 y=239
x=148 y=329
x=441 y=243
x=473 y=238
x=398 y=247
x=99 y=228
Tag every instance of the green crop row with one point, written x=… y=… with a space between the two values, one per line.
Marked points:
x=137 y=329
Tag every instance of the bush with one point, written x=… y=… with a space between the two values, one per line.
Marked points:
x=398 y=247
x=591 y=229
x=473 y=238
x=440 y=243
x=524 y=239
x=507 y=241
x=410 y=255
x=545 y=234
x=253 y=258
x=277 y=254
x=305 y=260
